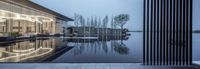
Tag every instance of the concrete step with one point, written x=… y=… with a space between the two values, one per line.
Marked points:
x=87 y=66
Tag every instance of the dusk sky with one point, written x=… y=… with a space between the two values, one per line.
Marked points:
x=101 y=8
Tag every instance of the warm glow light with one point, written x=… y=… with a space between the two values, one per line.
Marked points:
x=27 y=50
x=21 y=56
x=31 y=18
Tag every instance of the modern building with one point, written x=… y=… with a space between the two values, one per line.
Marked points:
x=28 y=18
x=95 y=32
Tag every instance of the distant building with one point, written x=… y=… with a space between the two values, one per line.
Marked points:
x=28 y=18
x=95 y=32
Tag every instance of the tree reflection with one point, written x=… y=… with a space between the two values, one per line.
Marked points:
x=99 y=46
x=120 y=48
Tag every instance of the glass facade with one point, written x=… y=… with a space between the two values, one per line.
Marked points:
x=26 y=20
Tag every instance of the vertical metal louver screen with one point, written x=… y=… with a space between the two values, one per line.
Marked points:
x=167 y=32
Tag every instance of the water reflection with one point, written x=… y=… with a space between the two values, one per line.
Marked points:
x=101 y=45
x=49 y=49
x=27 y=51
x=120 y=48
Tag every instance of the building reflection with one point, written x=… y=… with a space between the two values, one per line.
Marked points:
x=45 y=49
x=28 y=51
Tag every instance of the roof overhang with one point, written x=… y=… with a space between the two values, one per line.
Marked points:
x=31 y=4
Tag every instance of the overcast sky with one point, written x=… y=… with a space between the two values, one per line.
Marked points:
x=101 y=8
x=196 y=14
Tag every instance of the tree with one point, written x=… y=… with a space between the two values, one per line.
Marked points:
x=76 y=20
x=105 y=22
x=121 y=19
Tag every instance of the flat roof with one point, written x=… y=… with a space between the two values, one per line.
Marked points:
x=41 y=8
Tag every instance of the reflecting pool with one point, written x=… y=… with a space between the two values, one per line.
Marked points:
x=105 y=50
x=67 y=50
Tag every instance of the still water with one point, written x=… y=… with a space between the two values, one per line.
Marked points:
x=63 y=50
x=106 y=51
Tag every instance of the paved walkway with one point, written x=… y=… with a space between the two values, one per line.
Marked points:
x=85 y=66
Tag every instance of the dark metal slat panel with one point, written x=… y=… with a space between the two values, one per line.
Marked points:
x=190 y=25
x=173 y=33
x=184 y=32
x=170 y=32
x=164 y=32
x=179 y=32
x=144 y=33
x=151 y=31
x=147 y=52
x=155 y=31
x=187 y=33
x=157 y=28
x=167 y=32
x=161 y=33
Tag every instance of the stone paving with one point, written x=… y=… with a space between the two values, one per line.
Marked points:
x=86 y=66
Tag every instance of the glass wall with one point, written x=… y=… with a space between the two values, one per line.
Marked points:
x=25 y=21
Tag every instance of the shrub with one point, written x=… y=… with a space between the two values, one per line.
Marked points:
x=13 y=34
